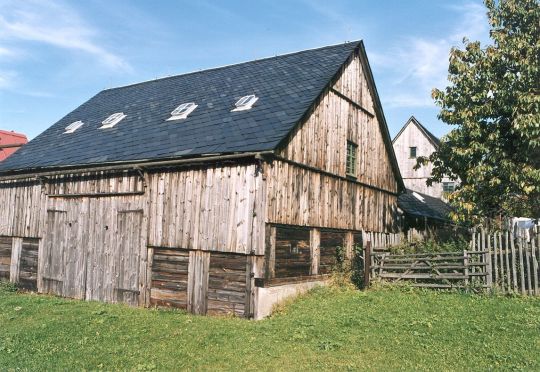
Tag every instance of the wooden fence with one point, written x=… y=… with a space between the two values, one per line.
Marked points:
x=432 y=270
x=512 y=258
x=506 y=261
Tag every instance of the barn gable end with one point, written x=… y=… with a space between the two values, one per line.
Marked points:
x=347 y=110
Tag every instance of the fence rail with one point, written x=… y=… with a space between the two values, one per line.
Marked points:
x=431 y=270
x=504 y=260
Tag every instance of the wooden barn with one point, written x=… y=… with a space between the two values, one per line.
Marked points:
x=218 y=191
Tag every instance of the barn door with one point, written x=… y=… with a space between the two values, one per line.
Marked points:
x=75 y=251
x=128 y=236
x=54 y=245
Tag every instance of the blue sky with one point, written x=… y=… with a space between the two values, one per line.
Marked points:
x=54 y=55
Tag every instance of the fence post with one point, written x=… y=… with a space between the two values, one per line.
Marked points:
x=466 y=267
x=521 y=263
x=487 y=260
x=367 y=263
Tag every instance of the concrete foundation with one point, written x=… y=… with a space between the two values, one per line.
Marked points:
x=267 y=297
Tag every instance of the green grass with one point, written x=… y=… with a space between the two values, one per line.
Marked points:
x=328 y=329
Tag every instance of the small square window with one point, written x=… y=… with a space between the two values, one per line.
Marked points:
x=352 y=149
x=448 y=187
x=412 y=152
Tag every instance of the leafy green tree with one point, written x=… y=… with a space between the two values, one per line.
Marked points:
x=493 y=100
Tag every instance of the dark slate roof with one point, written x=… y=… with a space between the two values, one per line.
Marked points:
x=436 y=141
x=432 y=208
x=286 y=85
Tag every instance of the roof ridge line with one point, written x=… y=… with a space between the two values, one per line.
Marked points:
x=229 y=65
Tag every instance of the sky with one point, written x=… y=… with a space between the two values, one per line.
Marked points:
x=55 y=55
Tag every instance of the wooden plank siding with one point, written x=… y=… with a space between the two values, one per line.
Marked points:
x=169 y=278
x=330 y=241
x=219 y=208
x=92 y=248
x=228 y=284
x=5 y=257
x=28 y=264
x=95 y=184
x=292 y=252
x=23 y=214
x=302 y=197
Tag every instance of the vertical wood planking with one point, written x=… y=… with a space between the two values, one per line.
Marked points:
x=270 y=252
x=315 y=245
x=219 y=208
x=336 y=203
x=198 y=281
x=16 y=250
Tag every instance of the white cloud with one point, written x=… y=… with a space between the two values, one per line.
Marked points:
x=7 y=78
x=408 y=100
x=474 y=23
x=54 y=24
x=6 y=53
x=421 y=63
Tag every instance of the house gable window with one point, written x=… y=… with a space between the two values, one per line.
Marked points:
x=412 y=152
x=350 y=168
x=448 y=187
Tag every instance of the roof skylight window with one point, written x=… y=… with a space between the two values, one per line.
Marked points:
x=418 y=196
x=112 y=120
x=245 y=103
x=182 y=111
x=73 y=126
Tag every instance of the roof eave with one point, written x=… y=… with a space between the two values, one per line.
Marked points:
x=137 y=164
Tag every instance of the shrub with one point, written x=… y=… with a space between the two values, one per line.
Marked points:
x=6 y=286
x=349 y=273
x=431 y=246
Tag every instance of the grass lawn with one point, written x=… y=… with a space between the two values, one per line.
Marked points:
x=327 y=329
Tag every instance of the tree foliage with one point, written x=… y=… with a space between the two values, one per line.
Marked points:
x=493 y=100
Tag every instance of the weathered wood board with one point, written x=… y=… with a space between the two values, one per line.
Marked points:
x=92 y=249
x=25 y=203
x=169 y=278
x=28 y=264
x=292 y=252
x=330 y=241
x=220 y=208
x=228 y=286
x=95 y=184
x=5 y=257
x=303 y=197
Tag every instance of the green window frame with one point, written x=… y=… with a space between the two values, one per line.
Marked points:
x=352 y=155
x=412 y=152
x=448 y=187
